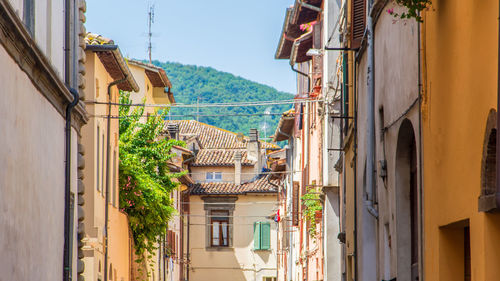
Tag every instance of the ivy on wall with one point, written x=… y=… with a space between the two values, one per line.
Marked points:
x=144 y=179
x=414 y=8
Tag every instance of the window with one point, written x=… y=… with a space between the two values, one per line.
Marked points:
x=213 y=176
x=261 y=236
x=219 y=222
x=358 y=18
x=98 y=184
x=103 y=153
x=113 y=183
x=29 y=16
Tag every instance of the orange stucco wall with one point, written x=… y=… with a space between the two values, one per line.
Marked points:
x=460 y=84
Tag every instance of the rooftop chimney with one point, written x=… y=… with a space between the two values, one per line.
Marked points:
x=253 y=148
x=173 y=131
x=237 y=167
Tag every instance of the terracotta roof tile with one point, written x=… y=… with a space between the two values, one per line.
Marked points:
x=260 y=185
x=213 y=137
x=220 y=157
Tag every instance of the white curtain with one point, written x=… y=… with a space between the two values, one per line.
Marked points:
x=215 y=233
x=224 y=232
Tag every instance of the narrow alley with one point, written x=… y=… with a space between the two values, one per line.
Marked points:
x=285 y=140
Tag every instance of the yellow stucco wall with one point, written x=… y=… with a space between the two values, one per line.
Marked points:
x=459 y=70
x=97 y=80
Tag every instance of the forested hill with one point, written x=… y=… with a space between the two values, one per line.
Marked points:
x=212 y=86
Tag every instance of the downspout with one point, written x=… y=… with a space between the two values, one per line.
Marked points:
x=67 y=187
x=303 y=74
x=420 y=160
x=370 y=112
x=67 y=169
x=290 y=233
x=108 y=155
x=355 y=136
x=188 y=261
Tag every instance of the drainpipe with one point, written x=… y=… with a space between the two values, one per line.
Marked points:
x=420 y=156
x=303 y=74
x=108 y=155
x=309 y=6
x=370 y=111
x=290 y=208
x=67 y=171
x=67 y=187
x=188 y=258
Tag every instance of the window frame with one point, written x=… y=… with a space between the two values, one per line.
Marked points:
x=225 y=204
x=213 y=176
x=220 y=219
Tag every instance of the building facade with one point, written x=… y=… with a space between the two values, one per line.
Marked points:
x=229 y=232
x=459 y=128
x=42 y=120
x=107 y=243
x=311 y=250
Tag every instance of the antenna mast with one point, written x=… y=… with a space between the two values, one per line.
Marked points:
x=151 y=20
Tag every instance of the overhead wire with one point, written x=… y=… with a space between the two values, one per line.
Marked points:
x=206 y=105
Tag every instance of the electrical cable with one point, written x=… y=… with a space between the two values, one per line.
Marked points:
x=205 y=105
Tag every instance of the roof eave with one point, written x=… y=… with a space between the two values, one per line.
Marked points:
x=115 y=51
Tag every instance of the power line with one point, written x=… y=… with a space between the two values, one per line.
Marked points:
x=239 y=104
x=228 y=203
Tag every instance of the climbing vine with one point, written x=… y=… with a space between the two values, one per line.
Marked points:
x=414 y=8
x=312 y=204
x=145 y=181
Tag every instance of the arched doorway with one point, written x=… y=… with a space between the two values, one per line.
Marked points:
x=407 y=203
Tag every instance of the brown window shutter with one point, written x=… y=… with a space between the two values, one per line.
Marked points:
x=295 y=203
x=358 y=22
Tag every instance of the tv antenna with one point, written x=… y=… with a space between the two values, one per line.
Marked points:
x=151 y=20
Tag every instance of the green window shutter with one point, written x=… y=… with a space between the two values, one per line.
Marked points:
x=265 y=236
x=256 y=235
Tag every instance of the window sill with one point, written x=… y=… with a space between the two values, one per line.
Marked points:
x=261 y=250
x=219 y=249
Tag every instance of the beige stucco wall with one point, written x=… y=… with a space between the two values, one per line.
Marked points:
x=31 y=180
x=241 y=262
x=97 y=80
x=198 y=174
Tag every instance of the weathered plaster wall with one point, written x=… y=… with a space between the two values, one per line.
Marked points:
x=240 y=262
x=31 y=179
x=396 y=90
x=461 y=64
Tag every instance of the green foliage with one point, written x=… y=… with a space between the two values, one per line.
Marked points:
x=414 y=8
x=145 y=181
x=190 y=82
x=312 y=203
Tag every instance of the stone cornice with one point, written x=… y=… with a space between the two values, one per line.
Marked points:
x=22 y=48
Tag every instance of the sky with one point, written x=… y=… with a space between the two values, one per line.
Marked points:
x=235 y=36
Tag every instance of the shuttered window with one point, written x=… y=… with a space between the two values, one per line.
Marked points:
x=262 y=236
x=358 y=20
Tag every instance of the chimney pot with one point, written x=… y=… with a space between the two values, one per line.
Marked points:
x=173 y=131
x=254 y=135
x=237 y=167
